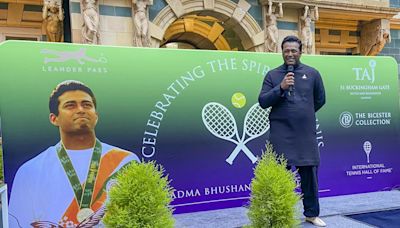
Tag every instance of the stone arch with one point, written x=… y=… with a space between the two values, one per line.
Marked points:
x=233 y=15
x=210 y=33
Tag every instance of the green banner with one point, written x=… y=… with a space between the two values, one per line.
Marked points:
x=191 y=111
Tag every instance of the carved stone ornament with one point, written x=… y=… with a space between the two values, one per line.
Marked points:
x=374 y=36
x=90 y=26
x=306 y=34
x=141 y=22
x=53 y=17
x=271 y=29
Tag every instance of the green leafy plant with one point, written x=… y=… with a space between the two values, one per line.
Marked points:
x=140 y=198
x=273 y=197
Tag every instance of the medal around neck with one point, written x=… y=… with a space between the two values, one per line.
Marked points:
x=83 y=194
x=83 y=214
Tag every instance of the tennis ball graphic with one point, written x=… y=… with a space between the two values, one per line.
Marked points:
x=238 y=100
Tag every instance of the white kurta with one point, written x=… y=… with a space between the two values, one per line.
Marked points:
x=41 y=190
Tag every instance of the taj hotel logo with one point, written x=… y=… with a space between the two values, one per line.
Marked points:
x=366 y=73
x=73 y=62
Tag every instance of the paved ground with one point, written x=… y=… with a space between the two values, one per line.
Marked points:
x=333 y=211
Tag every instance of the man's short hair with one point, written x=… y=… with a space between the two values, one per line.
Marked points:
x=65 y=86
x=292 y=39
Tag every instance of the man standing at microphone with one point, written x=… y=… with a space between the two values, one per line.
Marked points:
x=295 y=92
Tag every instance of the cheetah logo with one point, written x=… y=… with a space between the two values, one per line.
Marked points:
x=63 y=56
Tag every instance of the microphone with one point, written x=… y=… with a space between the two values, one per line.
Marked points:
x=290 y=69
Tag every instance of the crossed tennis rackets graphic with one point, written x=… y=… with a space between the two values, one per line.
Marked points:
x=221 y=123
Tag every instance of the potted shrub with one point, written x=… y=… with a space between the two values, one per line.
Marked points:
x=140 y=198
x=273 y=197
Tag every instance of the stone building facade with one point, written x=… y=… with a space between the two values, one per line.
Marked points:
x=343 y=27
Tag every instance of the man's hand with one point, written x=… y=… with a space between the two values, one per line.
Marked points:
x=287 y=81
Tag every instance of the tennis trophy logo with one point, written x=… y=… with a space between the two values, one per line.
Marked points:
x=220 y=122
